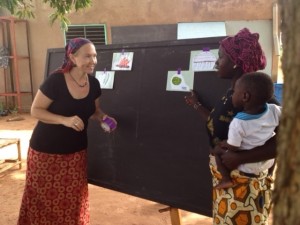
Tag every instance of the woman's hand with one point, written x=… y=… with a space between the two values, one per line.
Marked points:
x=74 y=122
x=219 y=149
x=231 y=159
x=108 y=124
x=192 y=99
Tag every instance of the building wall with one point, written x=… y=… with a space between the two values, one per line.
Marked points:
x=135 y=12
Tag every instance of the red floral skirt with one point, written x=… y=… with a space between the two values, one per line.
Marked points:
x=56 y=190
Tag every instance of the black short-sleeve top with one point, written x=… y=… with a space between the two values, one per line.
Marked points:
x=58 y=139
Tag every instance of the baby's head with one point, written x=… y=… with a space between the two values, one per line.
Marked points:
x=256 y=88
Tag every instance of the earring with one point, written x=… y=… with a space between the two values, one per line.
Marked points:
x=234 y=66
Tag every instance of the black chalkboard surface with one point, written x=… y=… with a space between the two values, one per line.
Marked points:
x=160 y=150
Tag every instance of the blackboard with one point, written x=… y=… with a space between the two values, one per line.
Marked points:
x=160 y=149
x=143 y=33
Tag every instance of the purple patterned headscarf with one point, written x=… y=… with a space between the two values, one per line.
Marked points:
x=72 y=47
x=245 y=51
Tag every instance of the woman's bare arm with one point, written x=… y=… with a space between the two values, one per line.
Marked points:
x=193 y=101
x=39 y=110
x=233 y=159
x=99 y=115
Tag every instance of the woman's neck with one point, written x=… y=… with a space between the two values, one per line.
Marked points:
x=78 y=75
x=80 y=79
x=235 y=77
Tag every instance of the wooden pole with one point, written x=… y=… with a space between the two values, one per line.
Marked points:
x=174 y=214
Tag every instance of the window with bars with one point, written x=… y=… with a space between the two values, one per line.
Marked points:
x=96 y=33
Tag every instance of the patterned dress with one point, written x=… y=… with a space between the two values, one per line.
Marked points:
x=248 y=202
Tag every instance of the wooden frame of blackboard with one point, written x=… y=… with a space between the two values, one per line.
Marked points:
x=160 y=150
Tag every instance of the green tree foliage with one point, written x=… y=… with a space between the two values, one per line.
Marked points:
x=24 y=9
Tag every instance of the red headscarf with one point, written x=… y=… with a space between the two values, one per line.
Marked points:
x=72 y=47
x=245 y=51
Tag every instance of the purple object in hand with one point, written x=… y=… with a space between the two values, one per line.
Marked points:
x=108 y=124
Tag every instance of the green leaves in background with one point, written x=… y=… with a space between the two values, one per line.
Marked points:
x=24 y=9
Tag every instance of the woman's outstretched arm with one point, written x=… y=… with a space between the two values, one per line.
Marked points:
x=193 y=101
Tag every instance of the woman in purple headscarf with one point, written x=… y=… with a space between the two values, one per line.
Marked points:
x=56 y=189
x=249 y=200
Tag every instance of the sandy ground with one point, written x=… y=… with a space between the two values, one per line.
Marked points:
x=107 y=207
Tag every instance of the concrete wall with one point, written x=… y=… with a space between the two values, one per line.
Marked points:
x=136 y=12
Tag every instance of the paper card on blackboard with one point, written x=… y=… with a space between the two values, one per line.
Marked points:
x=203 y=60
x=180 y=81
x=106 y=79
x=122 y=61
x=200 y=30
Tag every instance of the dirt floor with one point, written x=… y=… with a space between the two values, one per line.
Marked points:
x=107 y=207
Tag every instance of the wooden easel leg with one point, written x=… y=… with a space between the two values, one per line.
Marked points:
x=19 y=154
x=174 y=214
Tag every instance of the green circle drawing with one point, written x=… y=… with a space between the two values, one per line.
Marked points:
x=176 y=80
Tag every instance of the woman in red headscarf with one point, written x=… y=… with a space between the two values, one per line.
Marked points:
x=249 y=200
x=56 y=189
